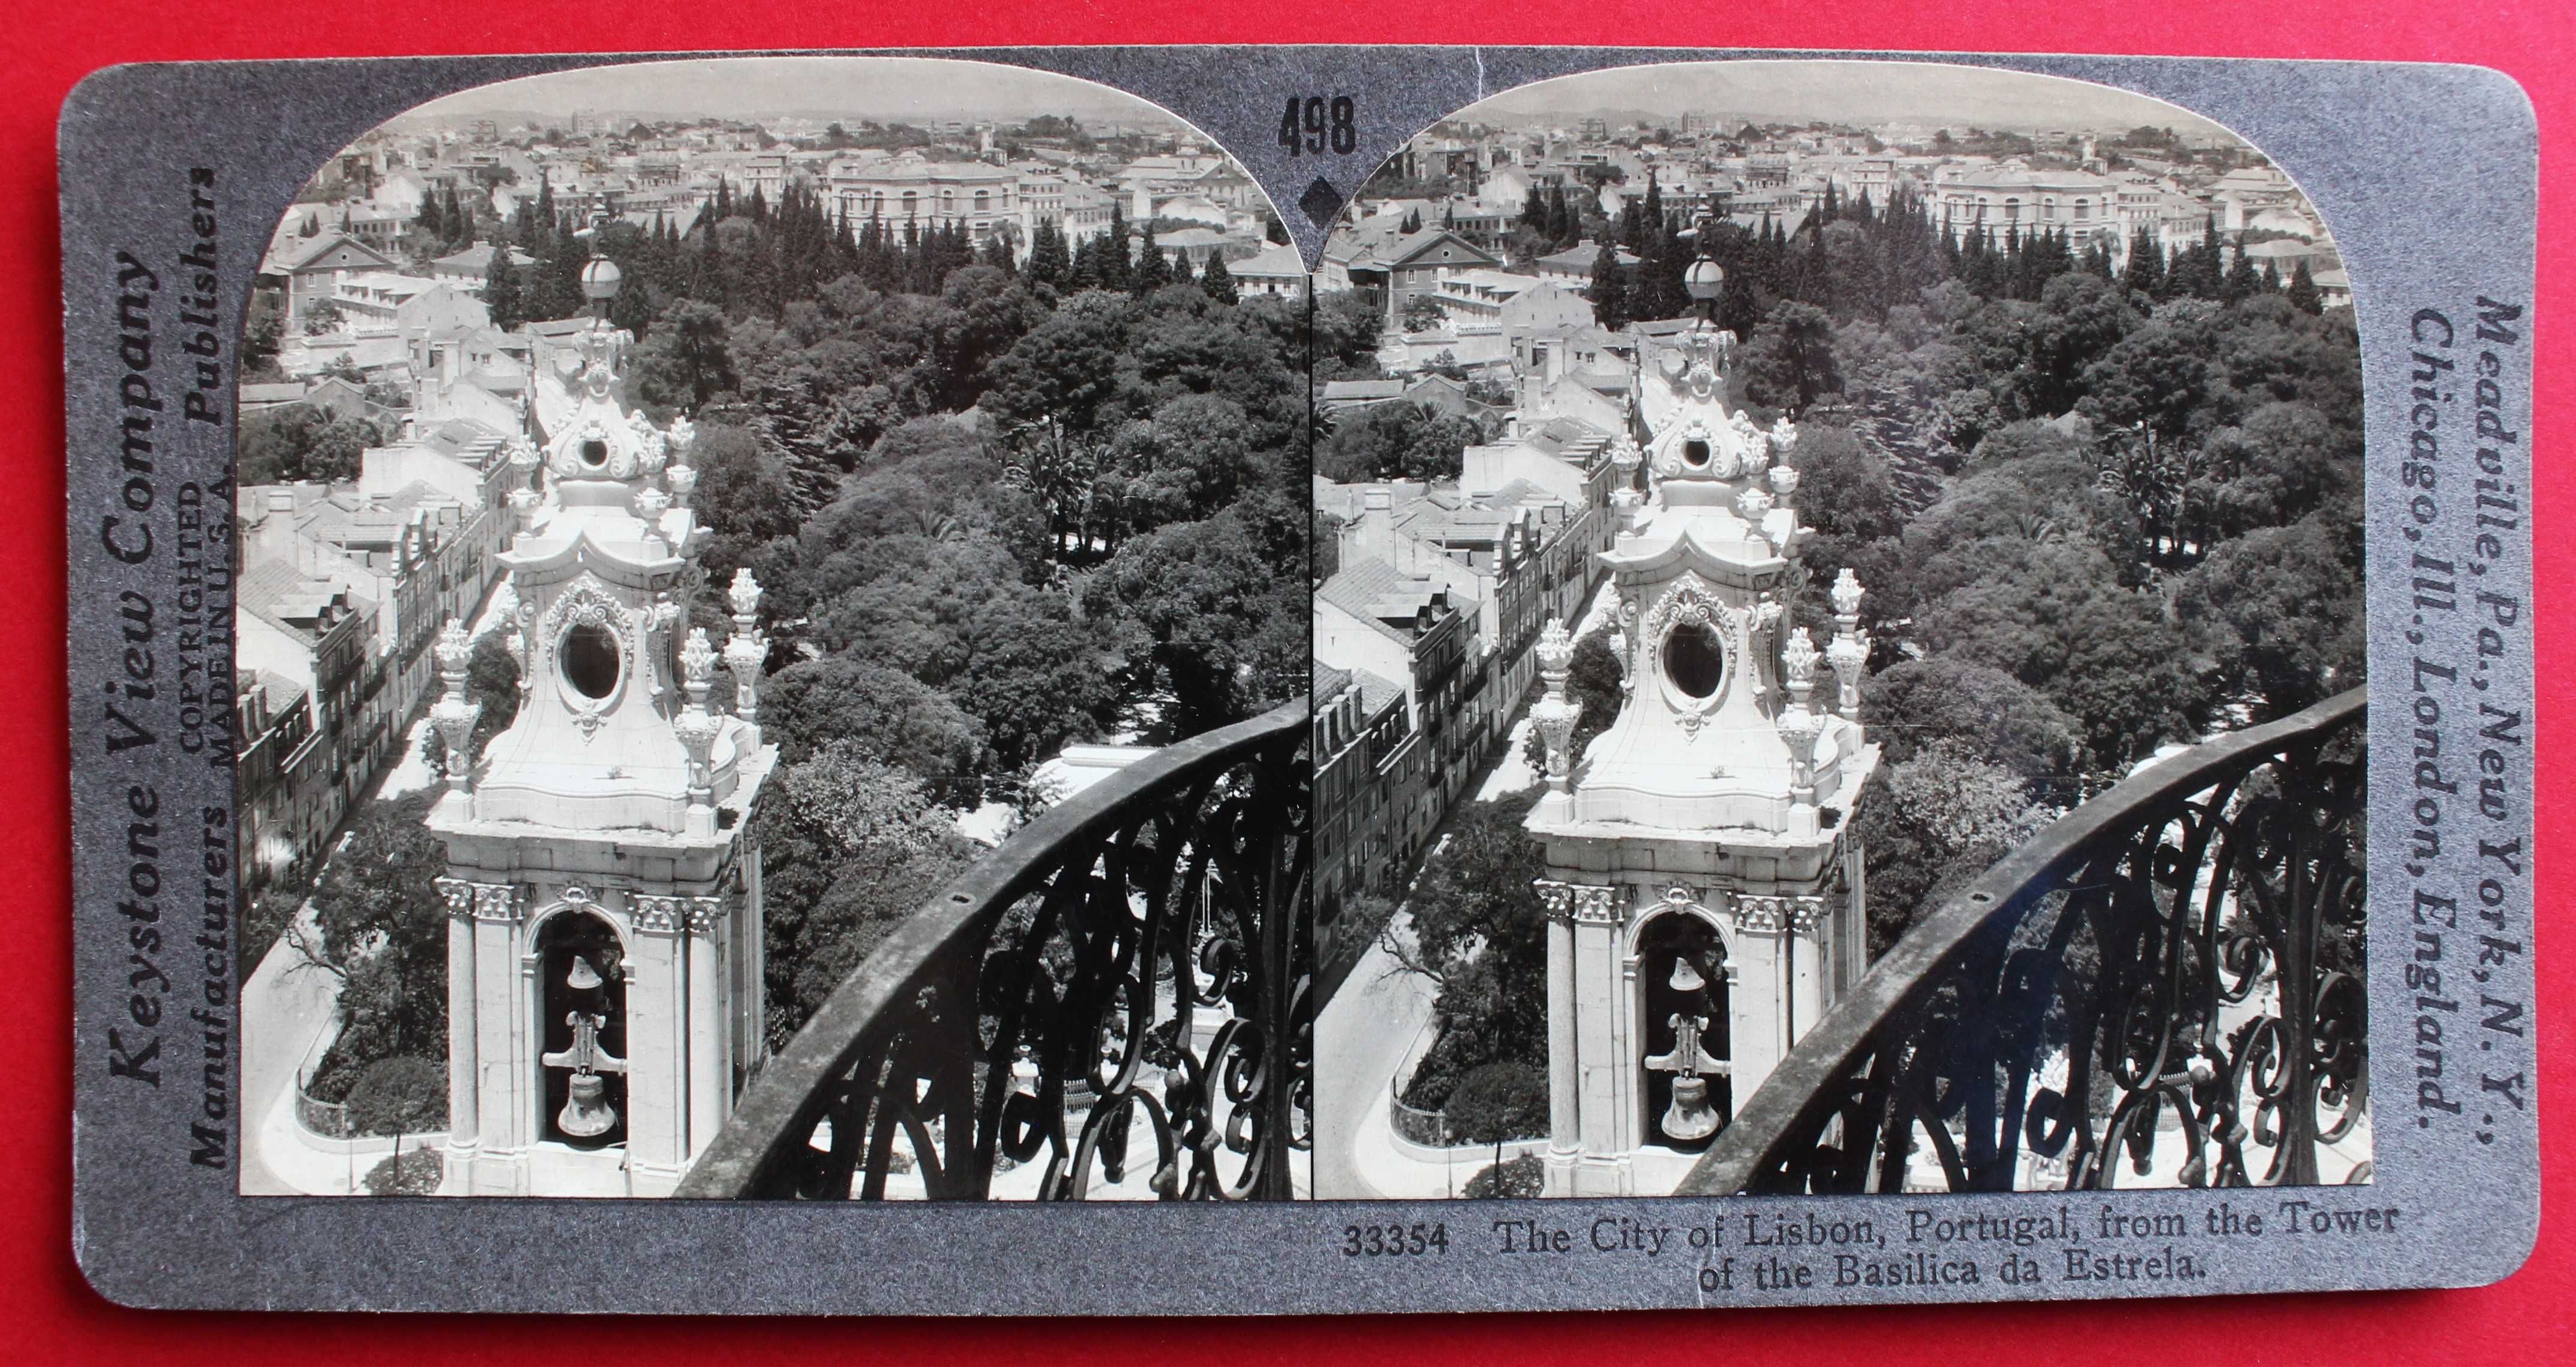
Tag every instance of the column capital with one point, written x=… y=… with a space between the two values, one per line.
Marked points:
x=1598 y=906
x=1557 y=897
x=660 y=915
x=466 y=899
x=1765 y=914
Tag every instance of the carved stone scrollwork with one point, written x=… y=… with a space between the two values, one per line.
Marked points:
x=660 y=915
x=1806 y=916
x=1761 y=914
x=704 y=914
x=499 y=902
x=459 y=896
x=1597 y=906
x=588 y=601
x=746 y=650
x=1692 y=602
x=482 y=901
x=1557 y=897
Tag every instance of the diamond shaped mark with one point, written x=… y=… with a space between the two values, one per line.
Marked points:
x=1321 y=201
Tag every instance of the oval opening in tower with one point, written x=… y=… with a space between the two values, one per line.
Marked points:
x=589 y=660
x=594 y=452
x=1695 y=454
x=1694 y=660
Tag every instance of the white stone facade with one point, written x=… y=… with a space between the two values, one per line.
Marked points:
x=605 y=956
x=1704 y=897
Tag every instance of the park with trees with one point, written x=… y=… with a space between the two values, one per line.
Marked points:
x=1000 y=501
x=2102 y=504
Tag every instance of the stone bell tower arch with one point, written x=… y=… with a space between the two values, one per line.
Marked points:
x=604 y=948
x=1704 y=891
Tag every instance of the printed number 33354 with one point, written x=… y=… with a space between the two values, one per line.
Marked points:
x=1394 y=1241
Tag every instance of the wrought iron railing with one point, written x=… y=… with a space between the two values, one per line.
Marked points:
x=2164 y=987
x=1115 y=1002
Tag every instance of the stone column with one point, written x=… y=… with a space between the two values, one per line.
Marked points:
x=1808 y=989
x=1761 y=1002
x=1600 y=1009
x=1564 y=1113
x=463 y=1131
x=704 y=1040
x=505 y=1073
x=462 y=1126
x=656 y=1048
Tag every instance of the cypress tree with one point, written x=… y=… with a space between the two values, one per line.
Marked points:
x=1113 y=266
x=2242 y=282
x=1609 y=289
x=1218 y=281
x=2207 y=282
x=1153 y=270
x=432 y=229
x=2303 y=291
x=501 y=296
x=2145 y=276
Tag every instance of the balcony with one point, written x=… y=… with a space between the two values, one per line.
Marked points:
x=2164 y=988
x=1113 y=1004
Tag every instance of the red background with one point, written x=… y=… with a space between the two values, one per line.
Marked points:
x=50 y=1314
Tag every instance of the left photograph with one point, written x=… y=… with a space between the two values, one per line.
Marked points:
x=773 y=643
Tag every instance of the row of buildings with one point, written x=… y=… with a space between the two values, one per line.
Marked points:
x=1425 y=634
x=344 y=587
x=1203 y=202
x=1407 y=245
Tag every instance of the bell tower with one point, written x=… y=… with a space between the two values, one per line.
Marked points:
x=604 y=947
x=1703 y=893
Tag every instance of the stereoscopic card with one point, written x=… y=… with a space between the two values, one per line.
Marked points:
x=1297 y=680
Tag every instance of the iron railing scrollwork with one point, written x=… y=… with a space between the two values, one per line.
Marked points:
x=2164 y=987
x=1115 y=1002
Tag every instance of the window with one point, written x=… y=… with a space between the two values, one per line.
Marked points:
x=1694 y=660
x=589 y=660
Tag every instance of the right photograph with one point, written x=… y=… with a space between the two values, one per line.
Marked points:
x=1838 y=647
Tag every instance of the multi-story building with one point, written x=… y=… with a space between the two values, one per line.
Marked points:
x=277 y=784
x=911 y=188
x=1370 y=771
x=317 y=635
x=1372 y=618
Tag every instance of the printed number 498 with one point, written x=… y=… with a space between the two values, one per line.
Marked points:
x=1312 y=123
x=1393 y=1241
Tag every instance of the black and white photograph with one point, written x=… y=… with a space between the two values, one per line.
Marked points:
x=1808 y=520
x=771 y=647
x=1304 y=680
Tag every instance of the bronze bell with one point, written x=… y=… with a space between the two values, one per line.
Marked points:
x=583 y=977
x=1690 y=1118
x=1686 y=978
x=586 y=1110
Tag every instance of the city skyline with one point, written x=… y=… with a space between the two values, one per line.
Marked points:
x=1931 y=94
x=758 y=88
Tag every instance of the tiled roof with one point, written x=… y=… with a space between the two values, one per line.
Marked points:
x=1379 y=593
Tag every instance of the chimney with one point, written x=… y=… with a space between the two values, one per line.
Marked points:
x=277 y=525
